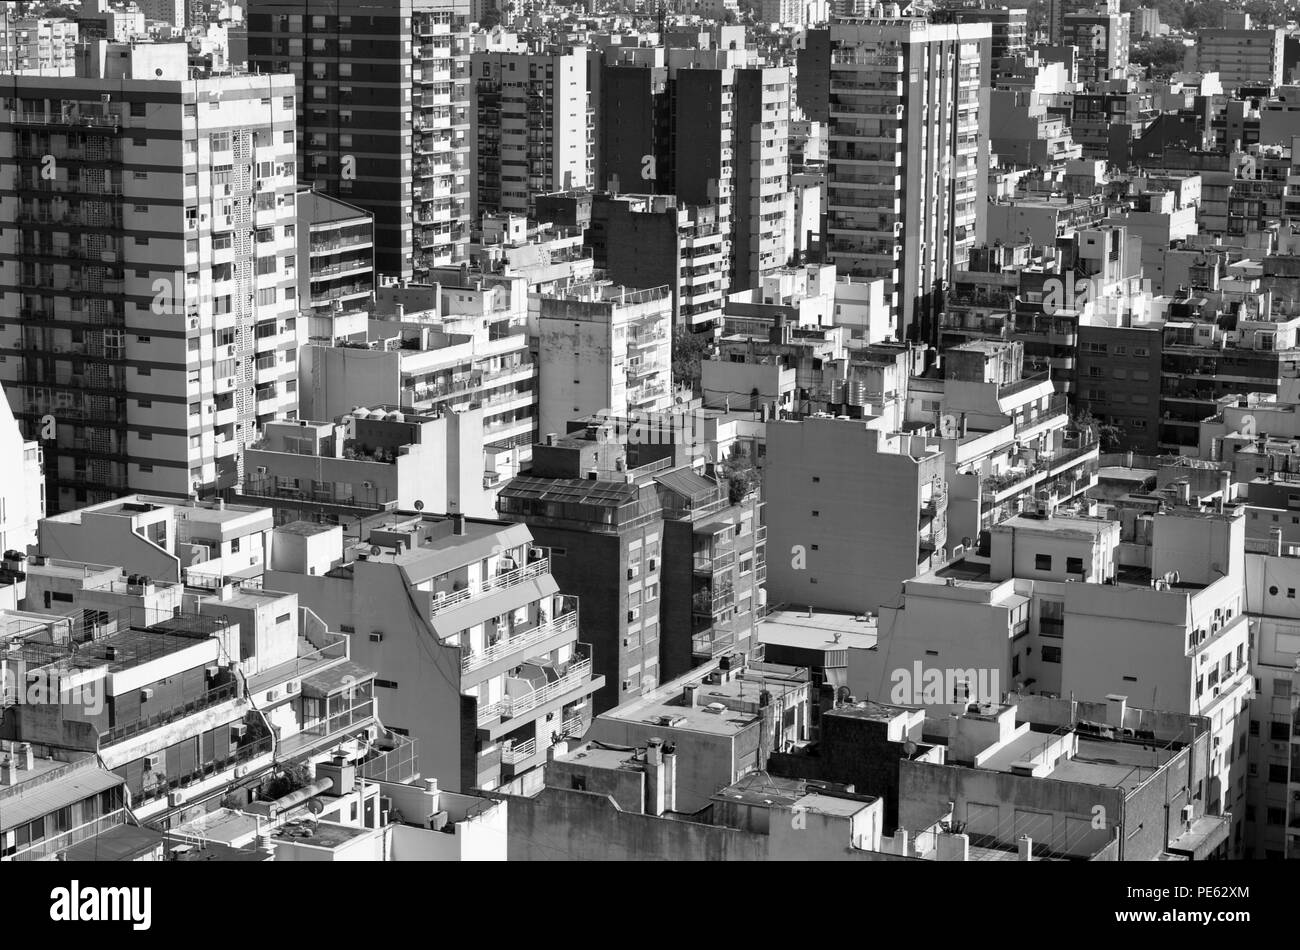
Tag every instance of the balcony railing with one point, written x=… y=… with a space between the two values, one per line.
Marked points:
x=211 y=698
x=506 y=647
x=519 y=753
x=578 y=673
x=500 y=582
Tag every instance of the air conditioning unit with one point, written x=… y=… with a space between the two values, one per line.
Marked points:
x=653 y=564
x=261 y=470
x=372 y=733
x=146 y=694
x=367 y=485
x=151 y=762
x=237 y=731
x=175 y=799
x=272 y=695
x=536 y=554
x=291 y=686
x=631 y=574
x=230 y=350
x=631 y=616
x=1188 y=814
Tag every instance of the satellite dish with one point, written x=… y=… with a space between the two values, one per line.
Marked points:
x=419 y=505
x=909 y=747
x=375 y=549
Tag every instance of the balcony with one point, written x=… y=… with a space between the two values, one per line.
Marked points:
x=576 y=675
x=211 y=698
x=510 y=646
x=446 y=601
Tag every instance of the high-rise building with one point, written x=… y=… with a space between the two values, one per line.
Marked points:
x=604 y=347
x=1242 y=55
x=151 y=270
x=711 y=130
x=22 y=490
x=45 y=46
x=532 y=125
x=1101 y=40
x=907 y=176
x=383 y=120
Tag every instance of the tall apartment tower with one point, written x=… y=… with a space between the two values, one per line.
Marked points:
x=383 y=118
x=532 y=126
x=908 y=106
x=150 y=263
x=1102 y=42
x=711 y=132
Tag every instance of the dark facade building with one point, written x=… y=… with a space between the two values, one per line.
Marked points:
x=1119 y=381
x=370 y=79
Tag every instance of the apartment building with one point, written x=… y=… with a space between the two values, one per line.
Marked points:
x=652 y=241
x=452 y=346
x=336 y=243
x=53 y=798
x=369 y=461
x=1101 y=40
x=532 y=124
x=22 y=495
x=38 y=45
x=152 y=271
x=1006 y=434
x=185 y=703
x=907 y=168
x=711 y=128
x=1241 y=55
x=866 y=511
x=200 y=544
x=603 y=347
x=476 y=650
x=383 y=93
x=1148 y=599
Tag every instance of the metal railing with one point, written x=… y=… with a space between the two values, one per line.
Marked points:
x=500 y=582
x=507 y=646
x=578 y=672
x=211 y=698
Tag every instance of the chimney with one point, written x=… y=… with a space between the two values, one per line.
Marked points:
x=26 y=760
x=901 y=842
x=556 y=751
x=1026 y=848
x=954 y=847
x=691 y=695
x=1275 y=541
x=1116 y=708
x=8 y=773
x=458 y=524
x=810 y=611
x=654 y=767
x=550 y=438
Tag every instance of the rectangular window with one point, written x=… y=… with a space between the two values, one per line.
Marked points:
x=1042 y=562
x=1051 y=654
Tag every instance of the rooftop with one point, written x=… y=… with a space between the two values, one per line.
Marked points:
x=824 y=630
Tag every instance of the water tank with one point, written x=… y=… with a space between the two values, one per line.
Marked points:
x=361 y=413
x=395 y=417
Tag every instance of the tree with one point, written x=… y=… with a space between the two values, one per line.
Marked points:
x=1162 y=55
x=740 y=475
x=491 y=19
x=688 y=350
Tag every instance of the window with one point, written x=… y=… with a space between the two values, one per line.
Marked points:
x=1277 y=774
x=1279 y=731
x=1042 y=562
x=1051 y=654
x=1074 y=565
x=386 y=684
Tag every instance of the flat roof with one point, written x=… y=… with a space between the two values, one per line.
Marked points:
x=667 y=702
x=318 y=834
x=305 y=529
x=824 y=630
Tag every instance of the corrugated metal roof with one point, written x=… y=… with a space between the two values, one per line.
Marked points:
x=571 y=490
x=335 y=679
x=688 y=483
x=50 y=796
